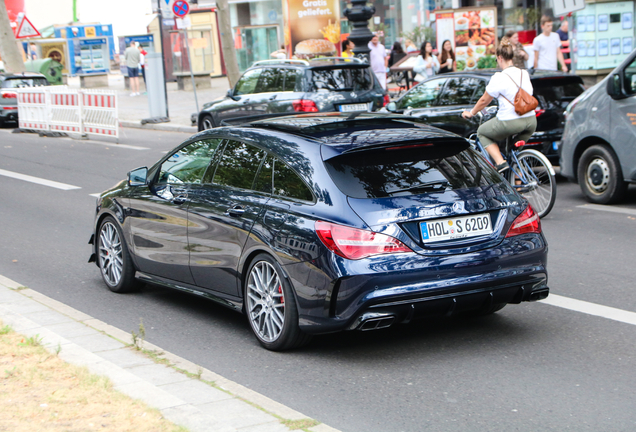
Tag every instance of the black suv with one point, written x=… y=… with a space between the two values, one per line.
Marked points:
x=440 y=100
x=293 y=86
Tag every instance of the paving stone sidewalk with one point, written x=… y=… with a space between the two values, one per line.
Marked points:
x=223 y=406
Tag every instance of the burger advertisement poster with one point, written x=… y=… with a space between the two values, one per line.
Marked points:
x=312 y=28
x=472 y=32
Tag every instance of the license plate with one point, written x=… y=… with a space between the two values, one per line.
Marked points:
x=555 y=145
x=455 y=228
x=354 y=107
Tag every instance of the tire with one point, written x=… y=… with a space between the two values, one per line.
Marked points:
x=207 y=122
x=115 y=263
x=270 y=306
x=600 y=175
x=541 y=191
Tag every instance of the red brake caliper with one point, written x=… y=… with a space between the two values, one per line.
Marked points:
x=280 y=291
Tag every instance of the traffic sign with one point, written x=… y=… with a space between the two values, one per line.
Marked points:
x=25 y=29
x=180 y=8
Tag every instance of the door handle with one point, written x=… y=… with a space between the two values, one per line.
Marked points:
x=246 y=101
x=180 y=199
x=235 y=211
x=273 y=97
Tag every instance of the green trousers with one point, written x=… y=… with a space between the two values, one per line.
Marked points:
x=498 y=130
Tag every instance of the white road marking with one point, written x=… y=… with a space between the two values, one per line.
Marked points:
x=609 y=209
x=115 y=145
x=37 y=180
x=96 y=195
x=615 y=314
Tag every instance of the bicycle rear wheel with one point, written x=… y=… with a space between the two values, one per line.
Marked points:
x=533 y=179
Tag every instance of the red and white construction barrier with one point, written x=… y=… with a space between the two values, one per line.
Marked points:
x=61 y=109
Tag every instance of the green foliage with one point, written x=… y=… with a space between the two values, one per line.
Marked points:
x=5 y=330
x=420 y=34
x=32 y=341
x=138 y=338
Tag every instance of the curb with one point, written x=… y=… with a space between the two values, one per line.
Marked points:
x=158 y=126
x=138 y=389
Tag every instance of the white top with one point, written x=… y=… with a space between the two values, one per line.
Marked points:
x=376 y=57
x=547 y=47
x=500 y=86
x=425 y=68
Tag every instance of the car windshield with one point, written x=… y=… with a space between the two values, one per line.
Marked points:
x=341 y=79
x=24 y=82
x=556 y=93
x=411 y=169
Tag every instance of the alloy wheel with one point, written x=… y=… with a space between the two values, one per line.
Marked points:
x=265 y=301
x=110 y=254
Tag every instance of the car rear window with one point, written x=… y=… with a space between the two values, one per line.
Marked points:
x=410 y=169
x=341 y=79
x=24 y=82
x=554 y=93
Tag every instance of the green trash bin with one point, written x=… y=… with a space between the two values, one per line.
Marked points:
x=48 y=67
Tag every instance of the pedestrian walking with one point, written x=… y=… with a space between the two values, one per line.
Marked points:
x=447 y=58
x=131 y=57
x=504 y=86
x=378 y=60
x=565 y=38
x=520 y=54
x=397 y=53
x=547 y=48
x=142 y=62
x=409 y=46
x=426 y=64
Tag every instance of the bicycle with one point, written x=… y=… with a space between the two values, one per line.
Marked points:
x=531 y=174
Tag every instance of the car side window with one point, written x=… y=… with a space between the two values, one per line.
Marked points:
x=238 y=165
x=263 y=182
x=247 y=83
x=291 y=79
x=287 y=183
x=630 y=79
x=458 y=91
x=269 y=81
x=424 y=95
x=188 y=164
x=479 y=91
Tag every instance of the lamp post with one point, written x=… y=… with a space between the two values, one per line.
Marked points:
x=359 y=15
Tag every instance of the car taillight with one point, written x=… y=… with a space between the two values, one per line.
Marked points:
x=354 y=243
x=304 y=105
x=387 y=99
x=9 y=95
x=538 y=112
x=527 y=222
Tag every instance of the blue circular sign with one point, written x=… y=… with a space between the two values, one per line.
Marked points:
x=180 y=8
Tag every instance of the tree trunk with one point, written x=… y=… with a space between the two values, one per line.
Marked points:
x=9 y=50
x=227 y=42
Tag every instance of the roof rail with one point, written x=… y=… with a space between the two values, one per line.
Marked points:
x=284 y=61
x=334 y=59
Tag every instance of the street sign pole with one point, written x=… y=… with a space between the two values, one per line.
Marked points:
x=180 y=8
x=163 y=58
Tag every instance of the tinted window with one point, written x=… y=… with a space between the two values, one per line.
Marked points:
x=556 y=93
x=270 y=80
x=291 y=79
x=288 y=184
x=459 y=91
x=24 y=82
x=411 y=171
x=479 y=91
x=263 y=182
x=341 y=79
x=423 y=95
x=630 y=78
x=188 y=164
x=238 y=165
x=247 y=83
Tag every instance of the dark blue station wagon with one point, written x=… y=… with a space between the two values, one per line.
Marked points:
x=318 y=223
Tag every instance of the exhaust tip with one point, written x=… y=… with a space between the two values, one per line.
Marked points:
x=373 y=321
x=539 y=294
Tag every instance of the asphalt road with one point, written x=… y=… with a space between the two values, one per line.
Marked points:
x=530 y=367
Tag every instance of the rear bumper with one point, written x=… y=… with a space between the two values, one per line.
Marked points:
x=9 y=114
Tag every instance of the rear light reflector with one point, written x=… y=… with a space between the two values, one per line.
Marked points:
x=10 y=108
x=354 y=243
x=387 y=99
x=304 y=105
x=520 y=143
x=527 y=222
x=538 y=112
x=408 y=146
x=9 y=95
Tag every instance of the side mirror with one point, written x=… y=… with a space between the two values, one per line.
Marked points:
x=230 y=94
x=614 y=86
x=138 y=177
x=391 y=107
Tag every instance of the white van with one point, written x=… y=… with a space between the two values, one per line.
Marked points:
x=599 y=140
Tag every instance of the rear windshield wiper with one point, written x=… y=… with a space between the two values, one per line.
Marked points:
x=433 y=186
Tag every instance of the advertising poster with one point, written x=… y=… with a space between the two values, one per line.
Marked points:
x=312 y=28
x=56 y=51
x=472 y=32
x=90 y=55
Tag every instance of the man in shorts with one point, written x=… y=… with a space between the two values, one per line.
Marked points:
x=132 y=57
x=547 y=48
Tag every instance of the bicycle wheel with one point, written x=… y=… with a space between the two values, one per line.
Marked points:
x=533 y=178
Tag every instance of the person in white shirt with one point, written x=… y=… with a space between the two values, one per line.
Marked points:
x=426 y=64
x=378 y=59
x=547 y=48
x=504 y=86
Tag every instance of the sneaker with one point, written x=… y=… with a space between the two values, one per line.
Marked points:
x=502 y=167
x=133 y=94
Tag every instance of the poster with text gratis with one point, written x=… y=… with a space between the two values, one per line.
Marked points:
x=312 y=28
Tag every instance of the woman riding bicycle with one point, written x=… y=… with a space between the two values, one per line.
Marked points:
x=504 y=86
